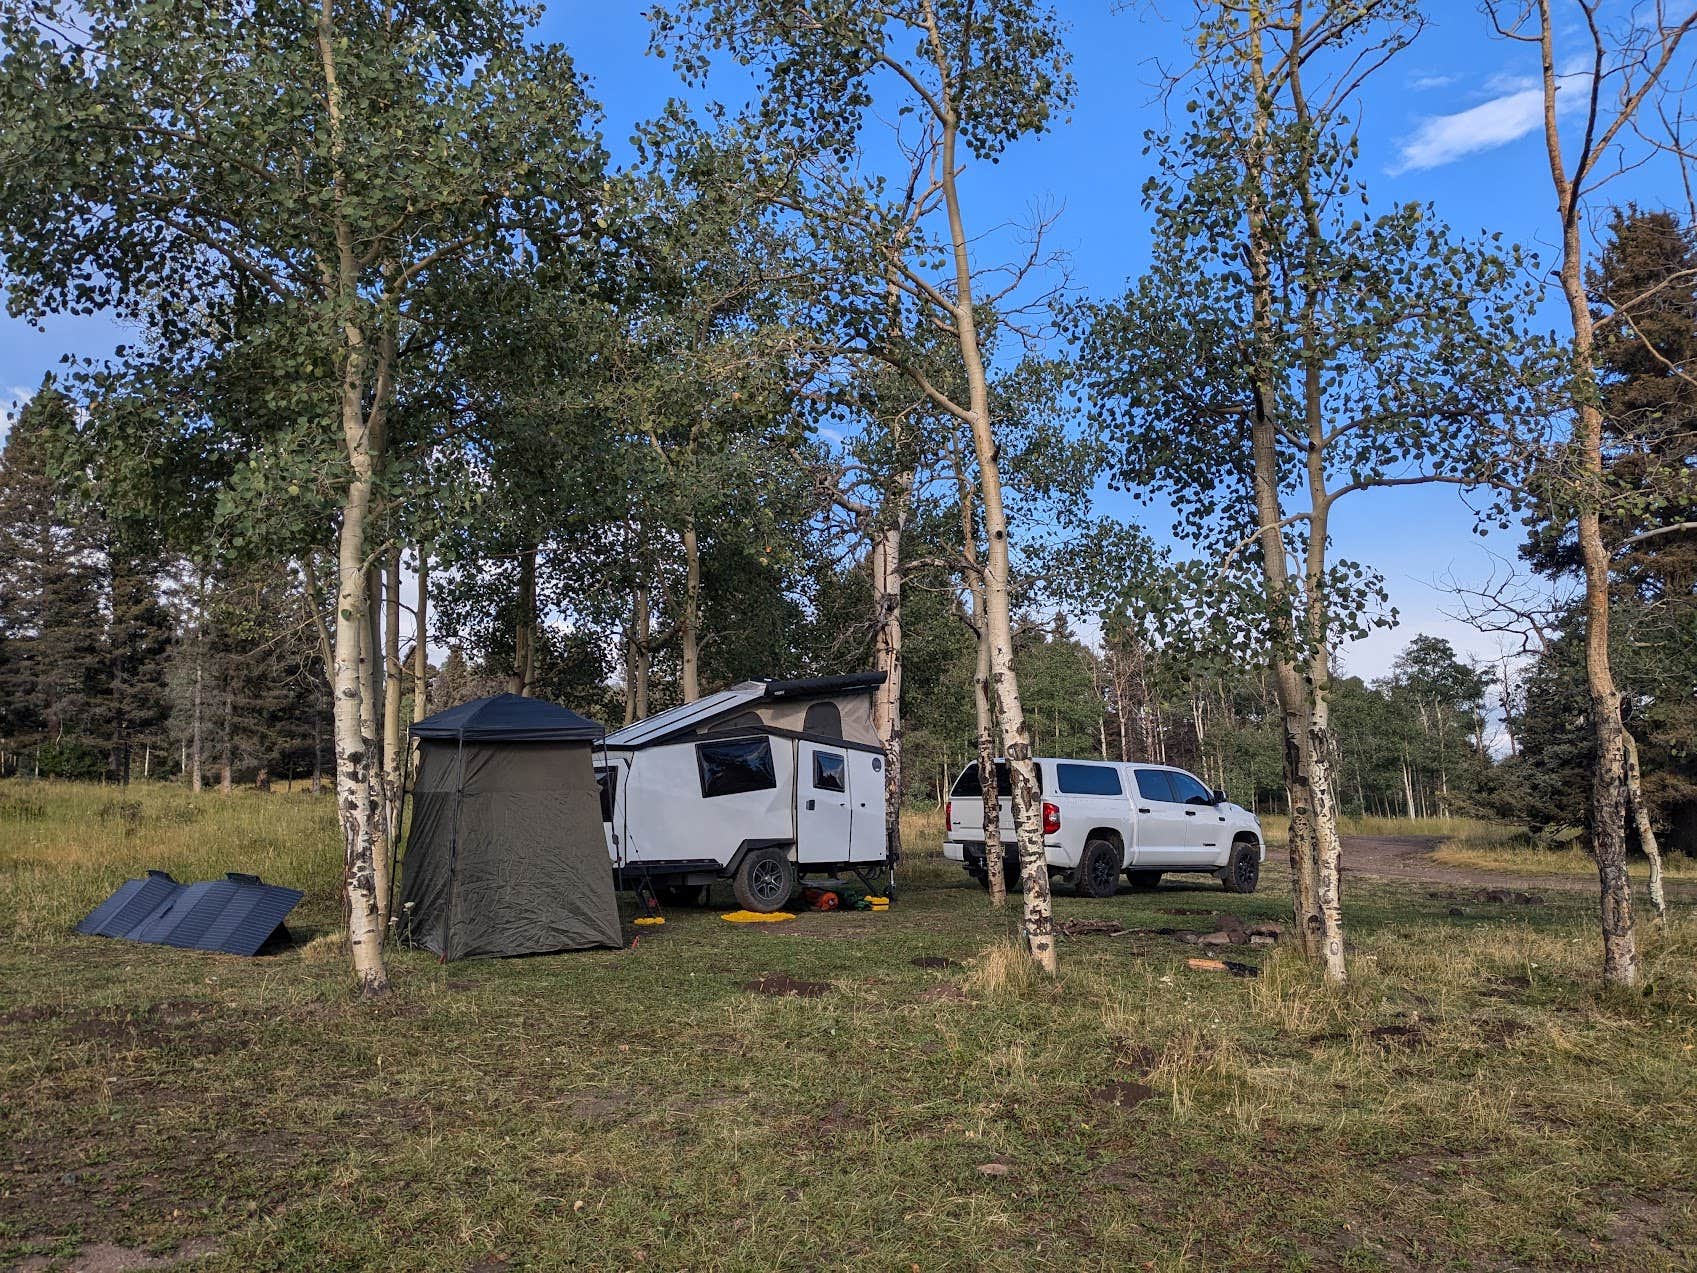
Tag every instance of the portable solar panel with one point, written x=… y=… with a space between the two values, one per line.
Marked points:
x=236 y=915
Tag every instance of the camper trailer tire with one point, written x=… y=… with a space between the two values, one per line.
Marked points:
x=765 y=880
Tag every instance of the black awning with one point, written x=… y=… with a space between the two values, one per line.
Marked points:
x=508 y=717
x=818 y=686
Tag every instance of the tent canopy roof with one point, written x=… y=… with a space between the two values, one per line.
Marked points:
x=691 y=717
x=509 y=718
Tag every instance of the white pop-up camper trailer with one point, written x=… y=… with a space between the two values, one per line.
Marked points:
x=759 y=784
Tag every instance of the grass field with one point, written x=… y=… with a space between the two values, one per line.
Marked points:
x=1474 y=1100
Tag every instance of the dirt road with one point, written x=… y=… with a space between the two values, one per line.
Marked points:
x=1409 y=857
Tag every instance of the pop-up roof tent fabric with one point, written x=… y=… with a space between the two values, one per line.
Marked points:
x=506 y=855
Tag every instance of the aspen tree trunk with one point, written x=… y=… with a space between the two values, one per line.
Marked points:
x=689 y=623
x=421 y=654
x=226 y=779
x=638 y=657
x=983 y=696
x=197 y=730
x=990 y=794
x=1408 y=786
x=393 y=774
x=317 y=785
x=371 y=713
x=1027 y=799
x=1328 y=844
x=375 y=666
x=1608 y=778
x=1508 y=713
x=1295 y=709
x=1646 y=832
x=351 y=675
x=523 y=675
x=885 y=562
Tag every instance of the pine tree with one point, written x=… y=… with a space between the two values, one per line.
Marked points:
x=53 y=671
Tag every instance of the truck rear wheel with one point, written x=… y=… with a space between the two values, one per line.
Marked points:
x=1010 y=878
x=765 y=881
x=1098 y=870
x=1243 y=868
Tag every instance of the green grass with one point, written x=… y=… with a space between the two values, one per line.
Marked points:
x=1474 y=1100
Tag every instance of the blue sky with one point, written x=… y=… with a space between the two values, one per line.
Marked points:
x=1449 y=121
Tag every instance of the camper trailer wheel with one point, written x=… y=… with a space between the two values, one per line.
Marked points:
x=765 y=880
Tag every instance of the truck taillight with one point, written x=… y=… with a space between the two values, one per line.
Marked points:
x=1051 y=818
x=948 y=815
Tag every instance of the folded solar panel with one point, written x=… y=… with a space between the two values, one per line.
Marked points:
x=236 y=915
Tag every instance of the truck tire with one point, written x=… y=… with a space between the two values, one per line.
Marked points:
x=1242 y=871
x=1098 y=870
x=1144 y=881
x=1010 y=877
x=765 y=881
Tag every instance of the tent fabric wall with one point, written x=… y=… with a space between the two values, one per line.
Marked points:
x=507 y=855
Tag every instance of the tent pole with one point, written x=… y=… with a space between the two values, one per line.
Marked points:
x=395 y=857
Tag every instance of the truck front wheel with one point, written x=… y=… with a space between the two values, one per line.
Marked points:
x=1243 y=868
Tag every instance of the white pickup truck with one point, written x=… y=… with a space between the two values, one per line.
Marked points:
x=1102 y=818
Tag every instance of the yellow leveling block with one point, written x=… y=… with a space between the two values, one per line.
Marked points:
x=756 y=917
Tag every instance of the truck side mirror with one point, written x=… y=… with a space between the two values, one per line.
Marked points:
x=1219 y=795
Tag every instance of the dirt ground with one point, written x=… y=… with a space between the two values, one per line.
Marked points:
x=1409 y=858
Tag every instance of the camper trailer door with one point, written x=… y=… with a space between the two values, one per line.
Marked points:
x=822 y=817
x=866 y=785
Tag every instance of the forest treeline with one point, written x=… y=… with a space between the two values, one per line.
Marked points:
x=414 y=354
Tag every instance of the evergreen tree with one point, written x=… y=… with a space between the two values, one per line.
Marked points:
x=53 y=667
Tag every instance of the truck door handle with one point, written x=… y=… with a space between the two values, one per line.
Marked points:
x=1142 y=810
x=1190 y=813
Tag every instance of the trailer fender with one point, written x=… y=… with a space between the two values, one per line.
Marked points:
x=748 y=846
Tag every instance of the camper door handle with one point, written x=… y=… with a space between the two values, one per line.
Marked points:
x=810 y=804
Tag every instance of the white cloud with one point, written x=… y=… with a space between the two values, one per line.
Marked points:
x=1445 y=138
x=1426 y=83
x=1516 y=111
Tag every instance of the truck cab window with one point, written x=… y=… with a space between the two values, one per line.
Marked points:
x=1152 y=785
x=1189 y=790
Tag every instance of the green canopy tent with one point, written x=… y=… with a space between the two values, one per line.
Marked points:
x=507 y=855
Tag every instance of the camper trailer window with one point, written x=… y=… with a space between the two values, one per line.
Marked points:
x=823 y=719
x=828 y=768
x=734 y=724
x=607 y=778
x=743 y=764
